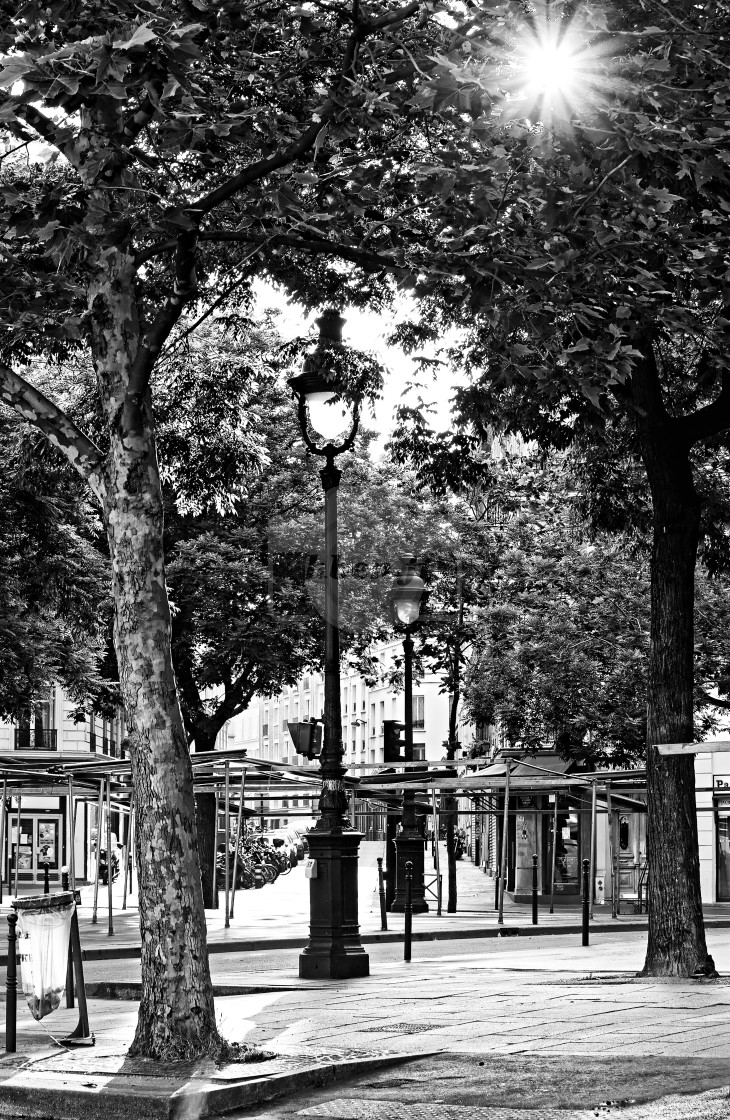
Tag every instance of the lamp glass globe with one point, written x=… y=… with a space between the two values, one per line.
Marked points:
x=328 y=416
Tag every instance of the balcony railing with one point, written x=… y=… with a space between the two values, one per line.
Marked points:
x=35 y=739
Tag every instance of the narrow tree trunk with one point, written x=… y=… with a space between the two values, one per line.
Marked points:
x=449 y=811
x=676 y=944
x=176 y=1014
x=451 y=803
x=207 y=837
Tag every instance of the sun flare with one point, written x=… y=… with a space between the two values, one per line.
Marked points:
x=555 y=70
x=551 y=68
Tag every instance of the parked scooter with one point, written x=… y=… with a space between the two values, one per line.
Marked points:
x=103 y=868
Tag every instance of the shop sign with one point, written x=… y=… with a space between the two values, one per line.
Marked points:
x=722 y=783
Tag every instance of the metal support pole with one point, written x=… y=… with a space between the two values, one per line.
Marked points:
x=17 y=845
x=554 y=853
x=503 y=861
x=215 y=850
x=71 y=830
x=81 y=1032
x=534 y=890
x=408 y=913
x=109 y=868
x=439 y=896
x=127 y=847
x=435 y=837
x=69 y=963
x=586 y=901
x=99 y=811
x=11 y=985
x=238 y=837
x=496 y=890
x=3 y=831
x=381 y=893
x=609 y=822
x=593 y=847
x=227 y=833
x=46 y=878
x=73 y=855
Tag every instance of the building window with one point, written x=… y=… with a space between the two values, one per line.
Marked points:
x=419 y=752
x=418 y=720
x=35 y=731
x=382 y=716
x=372 y=720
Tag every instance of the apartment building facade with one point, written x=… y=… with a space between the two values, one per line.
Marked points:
x=39 y=823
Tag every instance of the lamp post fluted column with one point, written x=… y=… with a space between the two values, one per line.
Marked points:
x=405 y=597
x=409 y=843
x=334 y=950
x=333 y=798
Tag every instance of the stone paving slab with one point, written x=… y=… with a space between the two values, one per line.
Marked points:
x=712 y=1105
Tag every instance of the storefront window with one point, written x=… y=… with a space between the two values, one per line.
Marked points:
x=567 y=851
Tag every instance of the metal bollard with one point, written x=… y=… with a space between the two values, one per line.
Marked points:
x=258 y=878
x=408 y=912
x=11 y=984
x=46 y=879
x=534 y=890
x=381 y=892
x=70 y=964
x=496 y=890
x=586 y=900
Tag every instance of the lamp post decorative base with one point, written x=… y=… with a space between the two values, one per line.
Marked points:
x=334 y=951
x=409 y=849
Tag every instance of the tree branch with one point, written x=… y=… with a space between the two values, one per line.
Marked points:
x=713 y=418
x=135 y=122
x=646 y=387
x=83 y=455
x=60 y=138
x=185 y=286
x=372 y=261
x=715 y=700
x=264 y=167
x=387 y=20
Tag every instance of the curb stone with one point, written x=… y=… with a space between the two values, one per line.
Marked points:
x=248 y=945
x=103 y=1096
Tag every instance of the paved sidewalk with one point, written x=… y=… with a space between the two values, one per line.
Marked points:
x=524 y=999
x=481 y=1001
x=278 y=915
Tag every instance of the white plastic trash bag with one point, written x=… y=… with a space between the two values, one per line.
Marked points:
x=44 y=927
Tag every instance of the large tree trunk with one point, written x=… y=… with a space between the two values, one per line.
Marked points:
x=176 y=1013
x=676 y=945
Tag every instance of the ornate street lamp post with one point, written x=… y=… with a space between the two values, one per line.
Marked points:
x=329 y=422
x=405 y=598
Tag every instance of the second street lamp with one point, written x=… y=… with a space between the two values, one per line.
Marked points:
x=405 y=599
x=329 y=418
